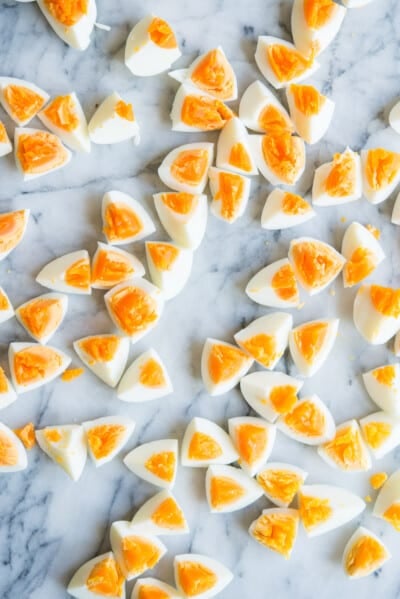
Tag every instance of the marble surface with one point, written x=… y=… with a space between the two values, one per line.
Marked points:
x=50 y=525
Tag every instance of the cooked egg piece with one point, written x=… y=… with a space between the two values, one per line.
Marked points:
x=68 y=274
x=383 y=387
x=12 y=452
x=99 y=577
x=12 y=229
x=364 y=554
x=222 y=366
x=66 y=446
x=309 y=422
x=229 y=489
x=270 y=394
x=363 y=253
x=194 y=110
x=347 y=450
x=325 y=507
x=152 y=588
x=315 y=23
x=381 y=433
x=156 y=462
x=33 y=365
x=356 y=3
x=310 y=111
x=205 y=443
x=276 y=529
x=230 y=193
x=234 y=151
x=253 y=439
x=105 y=355
x=396 y=211
x=261 y=111
x=185 y=168
x=376 y=313
x=284 y=209
x=5 y=143
x=281 y=63
x=394 y=118
x=275 y=286
x=113 y=122
x=26 y=434
x=311 y=343
x=124 y=219
x=339 y=181
x=64 y=117
x=281 y=482
x=146 y=379
x=387 y=505
x=183 y=216
x=7 y=392
x=151 y=47
x=380 y=173
x=280 y=157
x=316 y=264
x=161 y=515
x=72 y=23
x=200 y=576
x=112 y=266
x=105 y=437
x=43 y=315
x=38 y=153
x=396 y=345
x=21 y=99
x=6 y=308
x=169 y=266
x=266 y=338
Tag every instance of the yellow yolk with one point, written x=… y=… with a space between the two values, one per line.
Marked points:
x=378 y=479
x=280 y=484
x=40 y=152
x=205 y=113
x=26 y=434
x=307 y=99
x=361 y=264
x=316 y=263
x=283 y=398
x=230 y=193
x=181 y=203
x=310 y=338
x=3 y=134
x=294 y=204
x=133 y=309
x=62 y=113
x=124 y=110
x=382 y=166
x=195 y=578
x=224 y=491
x=314 y=511
x=169 y=515
x=151 y=592
x=104 y=439
x=106 y=579
x=78 y=274
x=376 y=433
x=277 y=532
x=251 y=442
x=8 y=451
x=262 y=348
x=386 y=300
x=152 y=374
x=282 y=156
x=163 y=255
x=392 y=515
x=139 y=554
x=23 y=102
x=306 y=419
x=71 y=374
x=4 y=304
x=287 y=63
x=12 y=226
x=375 y=232
x=52 y=435
x=162 y=465
x=121 y=222
x=100 y=349
x=341 y=180
x=3 y=382
x=272 y=121
x=214 y=75
x=318 y=13
x=111 y=267
x=190 y=166
x=224 y=362
x=42 y=316
x=161 y=34
x=385 y=375
x=284 y=283
x=203 y=447
x=364 y=556
x=346 y=449
x=239 y=157
x=35 y=363
x=67 y=12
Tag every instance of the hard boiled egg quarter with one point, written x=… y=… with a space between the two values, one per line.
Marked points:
x=106 y=437
x=222 y=366
x=306 y=255
x=33 y=365
x=276 y=529
x=311 y=343
x=234 y=152
x=43 y=315
x=364 y=554
x=275 y=286
x=383 y=387
x=73 y=24
x=229 y=489
x=253 y=439
x=66 y=446
x=145 y=587
x=280 y=157
x=145 y=379
x=200 y=576
x=7 y=393
x=38 y=153
x=315 y=23
x=161 y=515
x=21 y=99
x=262 y=112
x=363 y=253
x=205 y=443
x=195 y=110
x=230 y=193
x=396 y=211
x=347 y=449
x=64 y=117
x=281 y=482
x=104 y=355
x=376 y=313
x=114 y=121
x=387 y=505
x=381 y=433
x=5 y=143
x=169 y=265
x=284 y=209
x=183 y=216
x=6 y=308
x=309 y=422
x=68 y=274
x=88 y=581
x=124 y=219
x=111 y=266
x=156 y=462
x=394 y=117
x=338 y=182
x=310 y=111
x=380 y=173
x=186 y=168
x=12 y=452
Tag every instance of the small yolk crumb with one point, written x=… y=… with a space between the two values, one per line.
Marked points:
x=161 y=34
x=151 y=592
x=392 y=515
x=318 y=13
x=152 y=374
x=316 y=263
x=386 y=300
x=163 y=255
x=169 y=515
x=272 y=121
x=262 y=348
x=205 y=113
x=195 y=578
x=314 y=511
x=139 y=554
x=277 y=532
x=100 y=349
x=251 y=442
x=104 y=439
x=190 y=166
x=382 y=167
x=124 y=110
x=215 y=75
x=376 y=433
x=225 y=491
x=3 y=134
x=284 y=283
x=35 y=363
x=346 y=449
x=378 y=479
x=283 y=398
x=71 y=374
x=134 y=309
x=374 y=231
x=8 y=451
x=52 y=435
x=280 y=484
x=26 y=434
x=224 y=362
x=4 y=386
x=78 y=274
x=23 y=102
x=310 y=339
x=67 y=12
x=40 y=152
x=239 y=157
x=361 y=264
x=294 y=204
x=203 y=447
x=288 y=63
x=365 y=556
x=111 y=267
x=62 y=113
x=284 y=156
x=307 y=99
x=106 y=579
x=386 y=375
x=306 y=419
x=341 y=181
x=12 y=226
x=162 y=465
x=230 y=193
x=121 y=222
x=41 y=316
x=368 y=499
x=181 y=203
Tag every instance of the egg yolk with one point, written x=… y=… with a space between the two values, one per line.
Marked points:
x=203 y=447
x=121 y=222
x=280 y=484
x=392 y=515
x=378 y=479
x=262 y=348
x=161 y=34
x=382 y=166
x=22 y=102
x=284 y=283
x=195 y=578
x=3 y=134
x=8 y=451
x=12 y=227
x=214 y=75
x=181 y=203
x=139 y=554
x=106 y=579
x=3 y=382
x=35 y=363
x=310 y=339
x=239 y=157
x=346 y=449
x=152 y=374
x=288 y=63
x=341 y=181
x=251 y=442
x=230 y=194
x=307 y=99
x=71 y=374
x=52 y=435
x=294 y=204
x=40 y=152
x=62 y=113
x=134 y=309
x=205 y=113
x=151 y=592
x=169 y=515
x=162 y=465
x=283 y=156
x=110 y=268
x=42 y=316
x=124 y=110
x=67 y=12
x=277 y=532
x=314 y=511
x=386 y=300
x=386 y=375
x=361 y=264
x=100 y=349
x=283 y=398
x=376 y=433
x=224 y=362
x=26 y=434
x=104 y=439
x=225 y=491
x=365 y=556
x=306 y=419
x=78 y=274
x=374 y=231
x=163 y=255
x=316 y=263
x=190 y=166
x=318 y=13
x=272 y=121
x=4 y=303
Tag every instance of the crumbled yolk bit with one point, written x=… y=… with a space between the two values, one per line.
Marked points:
x=4 y=386
x=3 y=134
x=190 y=166
x=214 y=75
x=106 y=579
x=316 y=263
x=230 y=193
x=104 y=439
x=151 y=592
x=41 y=316
x=374 y=231
x=262 y=348
x=52 y=435
x=195 y=578
x=12 y=226
x=272 y=121
x=161 y=34
x=162 y=465
x=23 y=102
x=26 y=434
x=346 y=449
x=225 y=491
x=392 y=515
x=62 y=113
x=121 y=222
x=239 y=157
x=224 y=362
x=139 y=554
x=283 y=155
x=181 y=203
x=169 y=515
x=205 y=113
x=8 y=451
x=386 y=300
x=368 y=499
x=294 y=204
x=35 y=363
x=306 y=419
x=366 y=555
x=283 y=398
x=382 y=167
x=288 y=63
x=100 y=349
x=314 y=511
x=307 y=99
x=78 y=274
x=163 y=255
x=386 y=375
x=111 y=267
x=310 y=339
x=203 y=447
x=318 y=13
x=152 y=374
x=251 y=442
x=277 y=532
x=378 y=479
x=376 y=433
x=134 y=309
x=361 y=264
x=71 y=374
x=284 y=283
x=40 y=152
x=341 y=181
x=280 y=484
x=124 y=110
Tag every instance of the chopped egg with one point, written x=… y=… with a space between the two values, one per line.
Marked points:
x=205 y=444
x=270 y=394
x=105 y=355
x=5 y=143
x=253 y=439
x=6 y=308
x=222 y=366
x=315 y=23
x=38 y=153
x=72 y=22
x=310 y=111
x=396 y=211
x=64 y=117
x=183 y=216
x=229 y=489
x=66 y=446
x=280 y=157
x=161 y=515
x=68 y=274
x=316 y=263
x=7 y=393
x=12 y=452
x=325 y=507
x=380 y=173
x=363 y=253
x=311 y=343
x=124 y=219
x=151 y=47
x=275 y=286
x=381 y=433
x=106 y=437
x=114 y=121
x=276 y=529
x=364 y=554
x=234 y=151
x=200 y=576
x=377 y=480
x=376 y=313
x=195 y=110
x=33 y=365
x=394 y=117
x=347 y=450
x=309 y=422
x=43 y=315
x=284 y=209
x=387 y=505
x=356 y=3
x=12 y=229
x=186 y=168
x=383 y=387
x=338 y=182
x=151 y=588
x=262 y=112
x=111 y=266
x=26 y=434
x=155 y=462
x=230 y=193
x=99 y=577
x=71 y=374
x=169 y=266
x=145 y=379
x=21 y=99
x=281 y=482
